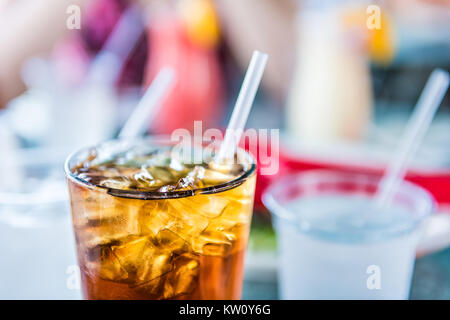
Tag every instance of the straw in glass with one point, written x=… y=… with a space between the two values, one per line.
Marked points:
x=147 y=107
x=243 y=106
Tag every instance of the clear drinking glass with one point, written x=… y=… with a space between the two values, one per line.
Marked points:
x=35 y=227
x=182 y=244
x=335 y=243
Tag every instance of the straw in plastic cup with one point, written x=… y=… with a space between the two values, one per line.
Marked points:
x=426 y=108
x=147 y=107
x=331 y=247
x=243 y=106
x=335 y=241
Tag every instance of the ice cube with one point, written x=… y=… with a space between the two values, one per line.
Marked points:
x=237 y=210
x=98 y=205
x=152 y=289
x=154 y=264
x=212 y=244
x=169 y=242
x=176 y=165
x=154 y=216
x=214 y=177
x=209 y=206
x=192 y=179
x=223 y=233
x=229 y=228
x=168 y=188
x=221 y=224
x=144 y=176
x=118 y=182
x=100 y=261
x=187 y=222
x=110 y=221
x=131 y=250
x=183 y=279
x=142 y=259
x=161 y=173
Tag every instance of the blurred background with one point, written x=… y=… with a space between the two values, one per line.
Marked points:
x=338 y=87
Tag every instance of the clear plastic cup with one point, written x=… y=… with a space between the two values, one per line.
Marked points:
x=334 y=243
x=38 y=260
x=178 y=244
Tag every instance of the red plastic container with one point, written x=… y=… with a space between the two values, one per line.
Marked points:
x=437 y=182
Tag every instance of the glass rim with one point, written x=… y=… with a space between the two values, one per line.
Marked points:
x=278 y=210
x=157 y=195
x=32 y=158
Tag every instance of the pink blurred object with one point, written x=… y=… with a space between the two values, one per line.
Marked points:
x=99 y=19
x=198 y=89
x=75 y=53
x=102 y=17
x=71 y=60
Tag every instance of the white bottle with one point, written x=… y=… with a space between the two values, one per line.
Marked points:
x=330 y=98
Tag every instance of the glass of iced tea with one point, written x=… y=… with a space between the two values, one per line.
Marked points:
x=150 y=223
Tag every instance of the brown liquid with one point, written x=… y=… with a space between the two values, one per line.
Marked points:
x=218 y=278
x=175 y=248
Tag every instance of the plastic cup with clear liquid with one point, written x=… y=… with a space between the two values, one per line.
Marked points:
x=334 y=242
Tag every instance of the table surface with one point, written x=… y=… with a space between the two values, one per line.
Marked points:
x=34 y=272
x=431 y=280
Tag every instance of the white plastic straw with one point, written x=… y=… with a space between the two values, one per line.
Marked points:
x=108 y=64
x=423 y=114
x=243 y=106
x=147 y=107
